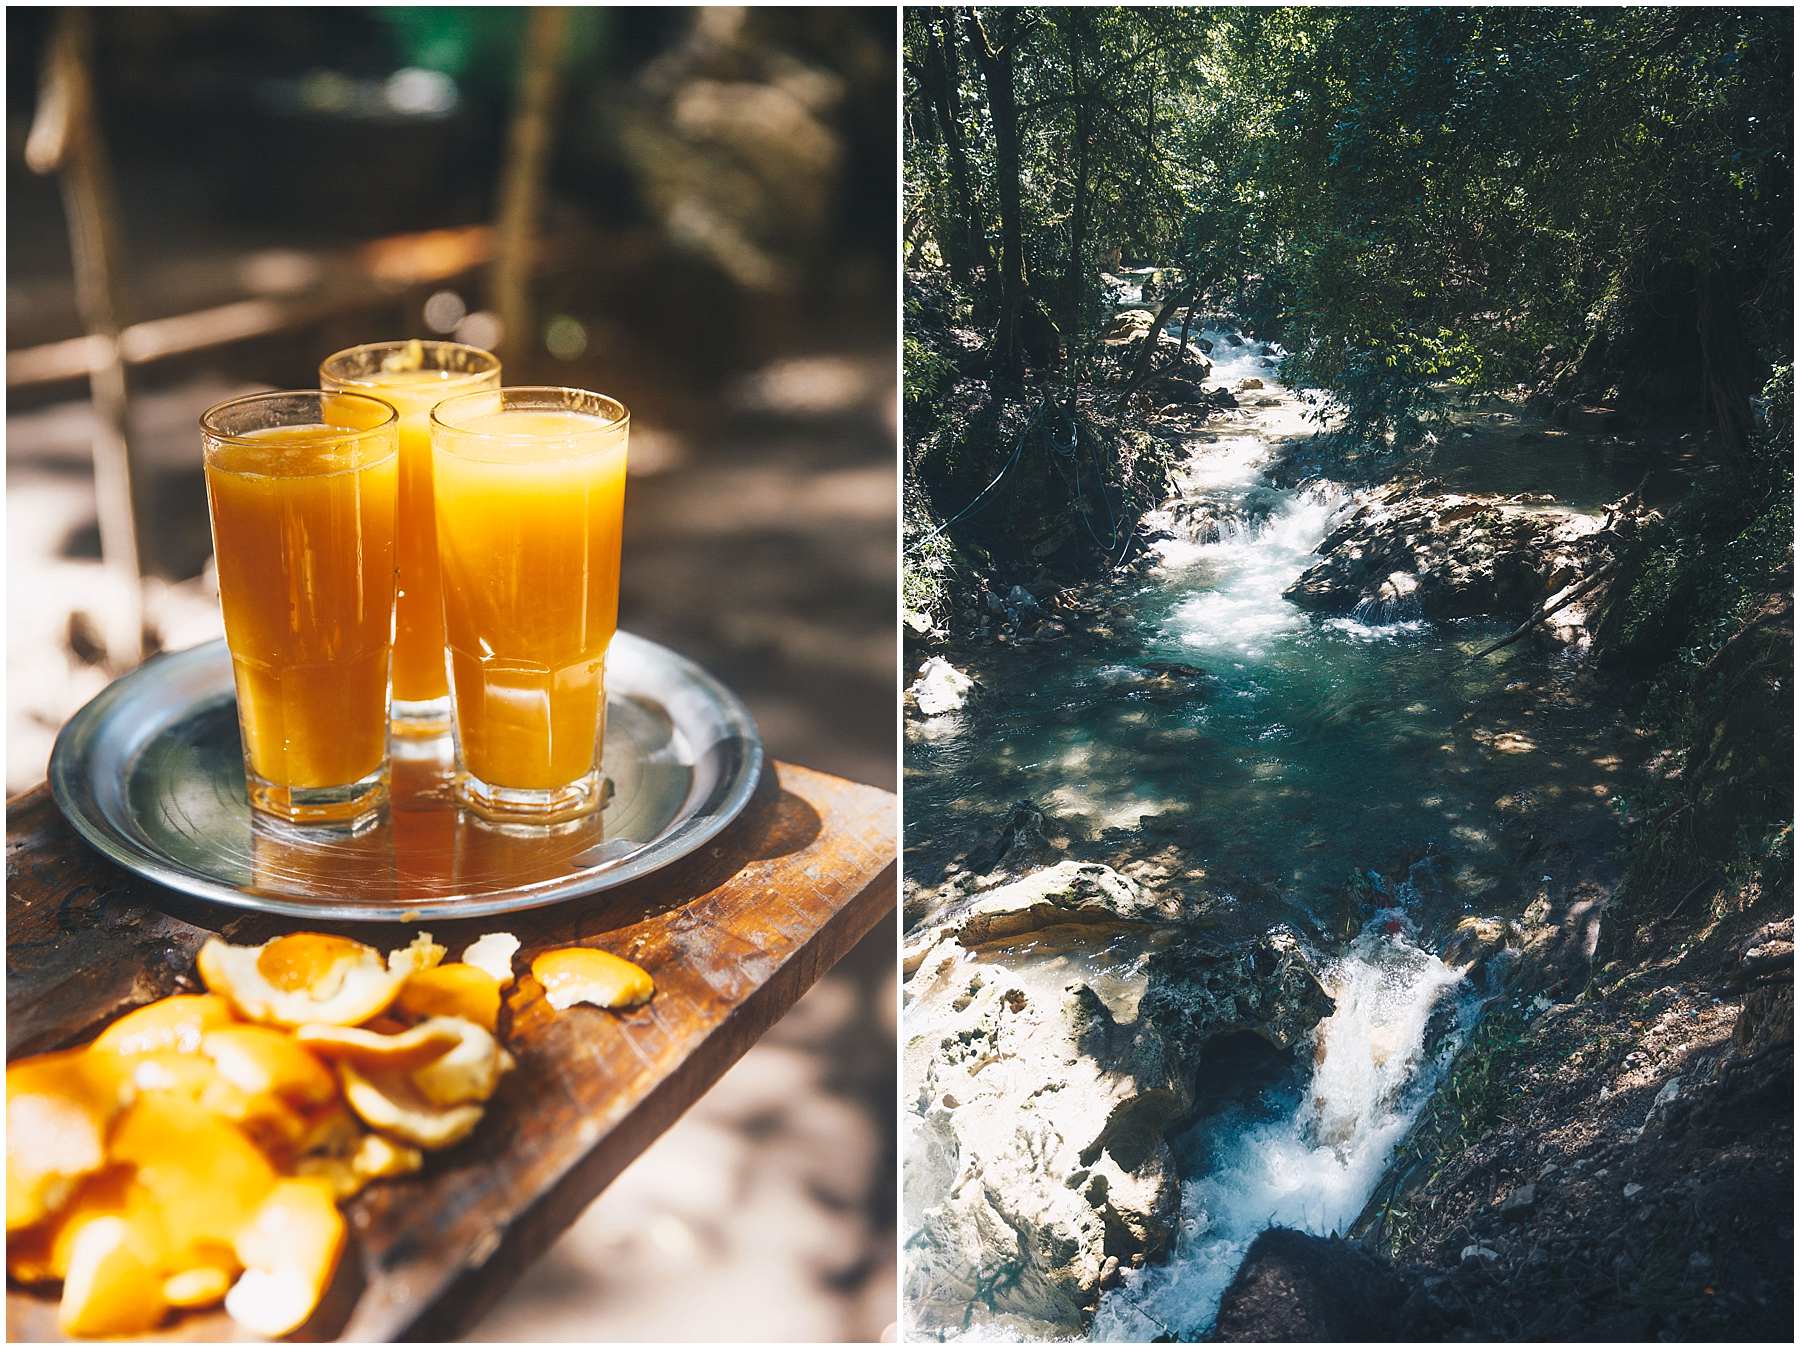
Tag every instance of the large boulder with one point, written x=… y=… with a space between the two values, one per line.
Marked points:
x=1305 y=1289
x=1402 y=551
x=1129 y=326
x=1083 y=894
x=1041 y=1089
x=940 y=688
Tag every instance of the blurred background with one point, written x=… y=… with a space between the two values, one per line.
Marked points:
x=689 y=209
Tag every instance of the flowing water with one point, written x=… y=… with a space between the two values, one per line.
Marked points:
x=1317 y=749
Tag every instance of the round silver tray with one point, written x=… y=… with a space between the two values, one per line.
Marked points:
x=151 y=772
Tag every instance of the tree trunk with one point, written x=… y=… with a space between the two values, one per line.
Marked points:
x=1075 y=277
x=1006 y=352
x=522 y=180
x=964 y=245
x=1723 y=361
x=1140 y=370
x=65 y=139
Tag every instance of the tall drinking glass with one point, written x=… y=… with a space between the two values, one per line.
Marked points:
x=530 y=493
x=302 y=489
x=413 y=376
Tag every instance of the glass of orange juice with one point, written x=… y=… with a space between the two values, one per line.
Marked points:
x=302 y=489
x=414 y=375
x=530 y=495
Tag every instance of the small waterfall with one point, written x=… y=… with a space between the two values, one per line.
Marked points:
x=1309 y=1160
x=1240 y=605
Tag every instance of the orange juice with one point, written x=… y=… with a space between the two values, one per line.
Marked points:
x=303 y=530
x=530 y=495
x=413 y=376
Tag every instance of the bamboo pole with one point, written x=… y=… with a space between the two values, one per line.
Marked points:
x=522 y=178
x=65 y=140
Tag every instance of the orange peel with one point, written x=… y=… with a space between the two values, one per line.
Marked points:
x=205 y=1175
x=175 y=1023
x=389 y=1101
x=199 y=1286
x=304 y=978
x=261 y=1061
x=457 y=989
x=111 y=1287
x=572 y=974
x=289 y=1249
x=59 y=1109
x=366 y=1157
x=422 y=953
x=402 y=1050
x=197 y=1150
x=494 y=953
x=469 y=1071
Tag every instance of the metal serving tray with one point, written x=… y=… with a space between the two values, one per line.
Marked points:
x=152 y=774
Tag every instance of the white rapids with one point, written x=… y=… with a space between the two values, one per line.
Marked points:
x=1314 y=1164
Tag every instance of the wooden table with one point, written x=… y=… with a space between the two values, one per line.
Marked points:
x=733 y=935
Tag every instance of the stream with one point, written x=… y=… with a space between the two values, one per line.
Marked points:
x=1317 y=749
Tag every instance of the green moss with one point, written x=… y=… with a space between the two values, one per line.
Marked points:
x=1478 y=1094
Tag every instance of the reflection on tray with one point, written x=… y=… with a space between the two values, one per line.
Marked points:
x=426 y=846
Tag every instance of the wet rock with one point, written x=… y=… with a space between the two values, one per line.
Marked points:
x=1298 y=1288
x=1479 y=1256
x=1268 y=988
x=1168 y=677
x=1184 y=388
x=1480 y=945
x=1053 y=1170
x=1019 y=600
x=1466 y=556
x=1082 y=893
x=1020 y=844
x=940 y=688
x=1244 y=384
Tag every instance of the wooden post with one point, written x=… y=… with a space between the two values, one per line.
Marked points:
x=522 y=178
x=65 y=139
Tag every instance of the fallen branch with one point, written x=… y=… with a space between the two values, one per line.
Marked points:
x=1556 y=605
x=1705 y=882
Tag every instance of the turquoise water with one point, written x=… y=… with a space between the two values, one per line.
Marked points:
x=1317 y=747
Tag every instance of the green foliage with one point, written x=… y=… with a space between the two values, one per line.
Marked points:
x=927 y=374
x=1478 y=1094
x=1423 y=224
